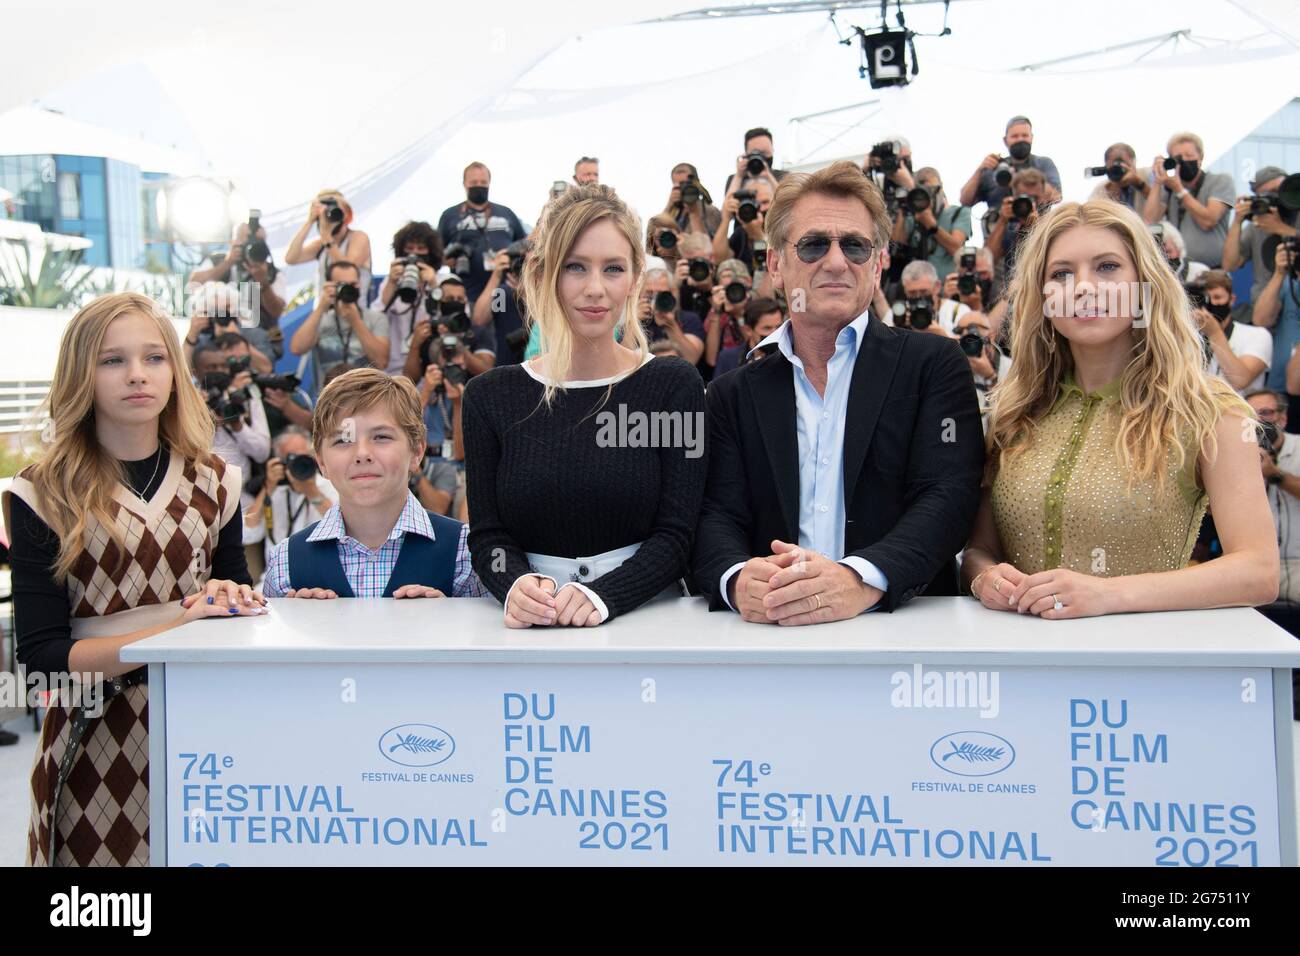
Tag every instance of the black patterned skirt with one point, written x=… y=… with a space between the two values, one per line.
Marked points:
x=103 y=811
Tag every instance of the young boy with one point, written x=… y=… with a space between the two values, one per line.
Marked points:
x=378 y=541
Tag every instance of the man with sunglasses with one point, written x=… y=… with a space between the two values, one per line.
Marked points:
x=844 y=469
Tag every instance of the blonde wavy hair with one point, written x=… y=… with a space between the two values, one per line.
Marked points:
x=565 y=218
x=1169 y=398
x=75 y=477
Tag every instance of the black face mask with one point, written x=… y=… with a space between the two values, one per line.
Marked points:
x=1188 y=169
x=1019 y=151
x=477 y=194
x=1220 y=311
x=1175 y=264
x=450 y=307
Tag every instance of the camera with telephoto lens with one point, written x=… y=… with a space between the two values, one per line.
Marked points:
x=967 y=280
x=452 y=375
x=736 y=292
x=972 y=343
x=228 y=404
x=664 y=302
x=699 y=269
x=746 y=205
x=457 y=256
x=1266 y=434
x=408 y=286
x=1022 y=207
x=1114 y=172
x=755 y=163
x=1002 y=174
x=667 y=239
x=282 y=383
x=1262 y=205
x=255 y=249
x=333 y=211
x=919 y=199
x=517 y=252
x=916 y=312
x=884 y=156
x=348 y=293
x=692 y=191
x=301 y=467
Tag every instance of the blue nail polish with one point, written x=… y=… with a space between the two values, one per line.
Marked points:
x=234 y=610
x=209 y=599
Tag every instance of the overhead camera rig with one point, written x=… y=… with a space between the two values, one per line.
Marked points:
x=889 y=56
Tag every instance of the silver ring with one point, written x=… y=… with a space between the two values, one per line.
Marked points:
x=1056 y=603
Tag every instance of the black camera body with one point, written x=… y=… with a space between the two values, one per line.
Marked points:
x=886 y=158
x=349 y=293
x=692 y=192
x=973 y=344
x=1263 y=204
x=333 y=211
x=919 y=199
x=664 y=302
x=699 y=269
x=227 y=403
x=755 y=163
x=254 y=249
x=746 y=205
x=1002 y=173
x=283 y=383
x=1022 y=207
x=302 y=467
x=408 y=286
x=914 y=313
x=457 y=256
x=667 y=239
x=736 y=292
x=1114 y=172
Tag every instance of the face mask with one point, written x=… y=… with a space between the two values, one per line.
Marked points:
x=477 y=194
x=450 y=307
x=1175 y=264
x=1187 y=169
x=1019 y=151
x=1220 y=311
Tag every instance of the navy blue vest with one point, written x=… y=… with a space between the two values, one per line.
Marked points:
x=316 y=564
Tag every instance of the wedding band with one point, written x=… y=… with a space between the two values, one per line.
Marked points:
x=997 y=585
x=819 y=602
x=1056 y=603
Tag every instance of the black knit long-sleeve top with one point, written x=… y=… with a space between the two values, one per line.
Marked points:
x=578 y=479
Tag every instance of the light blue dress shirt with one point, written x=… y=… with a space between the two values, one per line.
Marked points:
x=819 y=421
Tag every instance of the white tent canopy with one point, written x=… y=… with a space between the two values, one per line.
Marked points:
x=416 y=95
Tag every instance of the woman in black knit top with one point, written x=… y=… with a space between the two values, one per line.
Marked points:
x=585 y=467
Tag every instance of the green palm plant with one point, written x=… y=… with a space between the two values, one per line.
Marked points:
x=61 y=282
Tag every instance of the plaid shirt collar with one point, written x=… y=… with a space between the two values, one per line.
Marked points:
x=413 y=518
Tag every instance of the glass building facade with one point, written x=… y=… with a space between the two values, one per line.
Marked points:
x=90 y=196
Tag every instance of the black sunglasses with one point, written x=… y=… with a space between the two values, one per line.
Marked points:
x=856 y=249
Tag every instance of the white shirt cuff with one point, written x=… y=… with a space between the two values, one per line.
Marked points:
x=869 y=573
x=531 y=574
x=591 y=596
x=727 y=575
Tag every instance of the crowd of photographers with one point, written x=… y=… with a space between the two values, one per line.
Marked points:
x=448 y=307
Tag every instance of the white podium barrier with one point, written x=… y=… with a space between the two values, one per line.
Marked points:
x=360 y=732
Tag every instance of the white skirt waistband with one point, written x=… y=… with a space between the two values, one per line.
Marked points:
x=581 y=570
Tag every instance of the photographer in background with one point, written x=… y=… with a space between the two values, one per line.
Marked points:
x=724 y=326
x=663 y=239
x=441 y=478
x=926 y=227
x=1196 y=202
x=756 y=161
x=1258 y=218
x=1172 y=245
x=1016 y=214
x=745 y=210
x=293 y=494
x=216 y=310
x=248 y=260
x=889 y=165
x=1279 y=459
x=586 y=171
x=975 y=336
x=694 y=273
x=689 y=203
x=762 y=317
x=498 y=314
x=339 y=329
x=1125 y=183
x=417 y=254
x=921 y=309
x=474 y=231
x=242 y=437
x=1240 y=354
x=972 y=283
x=336 y=241
x=991 y=181
x=283 y=400
x=663 y=318
x=1278 y=309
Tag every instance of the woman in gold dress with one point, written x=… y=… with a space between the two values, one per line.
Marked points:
x=1108 y=439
